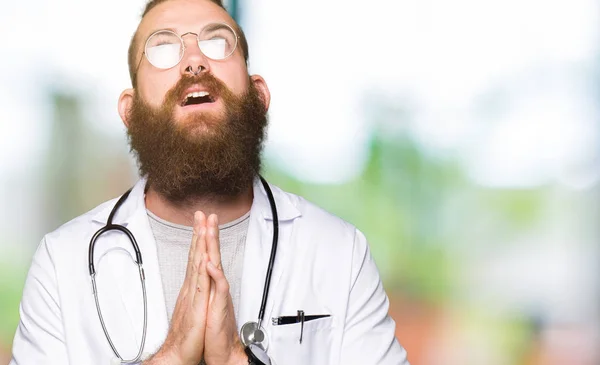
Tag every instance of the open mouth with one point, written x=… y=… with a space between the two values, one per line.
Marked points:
x=197 y=97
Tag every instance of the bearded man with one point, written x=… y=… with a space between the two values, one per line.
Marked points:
x=230 y=270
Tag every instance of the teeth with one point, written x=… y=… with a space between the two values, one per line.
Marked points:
x=197 y=94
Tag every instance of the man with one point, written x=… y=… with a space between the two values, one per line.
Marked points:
x=205 y=224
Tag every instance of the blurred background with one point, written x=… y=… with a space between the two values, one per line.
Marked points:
x=461 y=136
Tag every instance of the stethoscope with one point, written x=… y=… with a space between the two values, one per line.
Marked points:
x=251 y=333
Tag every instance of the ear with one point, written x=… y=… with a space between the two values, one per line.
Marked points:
x=125 y=103
x=263 y=89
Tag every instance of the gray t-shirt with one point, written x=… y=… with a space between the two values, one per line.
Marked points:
x=173 y=245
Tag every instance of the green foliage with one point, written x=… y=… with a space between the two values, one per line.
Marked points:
x=12 y=277
x=417 y=211
x=394 y=202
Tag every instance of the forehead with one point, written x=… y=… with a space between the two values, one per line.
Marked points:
x=182 y=16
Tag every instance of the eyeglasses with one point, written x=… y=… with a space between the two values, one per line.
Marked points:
x=164 y=48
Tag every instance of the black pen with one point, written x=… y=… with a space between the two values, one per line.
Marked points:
x=301 y=320
x=276 y=321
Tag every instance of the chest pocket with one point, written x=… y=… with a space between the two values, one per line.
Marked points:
x=315 y=349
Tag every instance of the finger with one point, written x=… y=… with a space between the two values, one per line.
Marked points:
x=199 y=250
x=214 y=246
x=195 y=232
x=220 y=298
x=190 y=269
x=202 y=288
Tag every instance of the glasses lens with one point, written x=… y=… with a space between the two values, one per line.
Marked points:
x=217 y=41
x=164 y=49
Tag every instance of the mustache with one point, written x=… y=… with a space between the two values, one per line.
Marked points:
x=209 y=82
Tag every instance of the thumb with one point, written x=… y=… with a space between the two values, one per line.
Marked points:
x=221 y=294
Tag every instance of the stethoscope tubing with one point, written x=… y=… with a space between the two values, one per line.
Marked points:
x=109 y=227
x=138 y=357
x=263 y=303
x=112 y=227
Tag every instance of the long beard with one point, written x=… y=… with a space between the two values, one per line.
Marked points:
x=205 y=155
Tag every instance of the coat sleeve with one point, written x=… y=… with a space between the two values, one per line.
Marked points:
x=369 y=333
x=40 y=336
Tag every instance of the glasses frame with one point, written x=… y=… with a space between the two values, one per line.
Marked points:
x=145 y=55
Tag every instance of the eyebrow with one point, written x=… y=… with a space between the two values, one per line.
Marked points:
x=158 y=30
x=213 y=26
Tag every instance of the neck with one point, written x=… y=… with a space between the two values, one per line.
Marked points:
x=227 y=209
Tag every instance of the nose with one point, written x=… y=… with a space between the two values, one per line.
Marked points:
x=191 y=71
x=194 y=61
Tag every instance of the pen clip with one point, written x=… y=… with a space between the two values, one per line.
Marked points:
x=301 y=320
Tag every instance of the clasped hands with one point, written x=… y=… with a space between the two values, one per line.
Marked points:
x=203 y=322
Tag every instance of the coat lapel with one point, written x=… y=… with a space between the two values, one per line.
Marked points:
x=258 y=250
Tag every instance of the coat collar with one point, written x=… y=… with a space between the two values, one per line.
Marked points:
x=286 y=209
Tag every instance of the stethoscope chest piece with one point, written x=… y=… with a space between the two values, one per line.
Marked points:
x=253 y=333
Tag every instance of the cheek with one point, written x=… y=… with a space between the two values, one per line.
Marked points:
x=235 y=78
x=153 y=88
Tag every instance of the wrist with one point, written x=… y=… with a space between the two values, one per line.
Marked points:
x=238 y=356
x=163 y=357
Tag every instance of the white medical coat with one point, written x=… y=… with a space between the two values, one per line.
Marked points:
x=323 y=266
